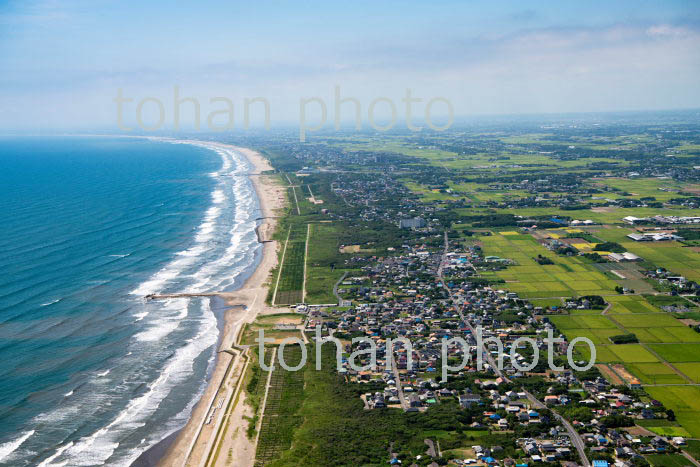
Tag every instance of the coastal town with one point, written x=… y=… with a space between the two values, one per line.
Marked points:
x=350 y=234
x=493 y=314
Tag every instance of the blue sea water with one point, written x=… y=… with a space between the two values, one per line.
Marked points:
x=92 y=373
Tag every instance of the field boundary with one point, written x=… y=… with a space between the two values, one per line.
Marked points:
x=279 y=273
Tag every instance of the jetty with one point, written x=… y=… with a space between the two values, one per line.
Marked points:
x=180 y=295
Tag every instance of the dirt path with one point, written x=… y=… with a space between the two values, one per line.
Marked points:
x=279 y=271
x=306 y=260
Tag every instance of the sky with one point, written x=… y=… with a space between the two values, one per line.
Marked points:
x=62 y=63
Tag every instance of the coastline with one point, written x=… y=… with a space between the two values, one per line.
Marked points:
x=191 y=444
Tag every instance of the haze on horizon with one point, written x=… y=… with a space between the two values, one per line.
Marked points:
x=62 y=62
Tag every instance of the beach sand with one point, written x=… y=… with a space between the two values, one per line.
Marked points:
x=194 y=442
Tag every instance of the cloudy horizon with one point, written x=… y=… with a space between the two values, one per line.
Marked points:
x=63 y=62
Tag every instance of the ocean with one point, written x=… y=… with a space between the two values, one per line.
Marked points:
x=92 y=373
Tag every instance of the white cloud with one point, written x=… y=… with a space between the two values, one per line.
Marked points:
x=665 y=30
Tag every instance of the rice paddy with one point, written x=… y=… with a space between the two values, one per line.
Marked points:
x=684 y=401
x=655 y=373
x=568 y=276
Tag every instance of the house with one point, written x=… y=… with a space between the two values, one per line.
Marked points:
x=551 y=400
x=531 y=448
x=415 y=223
x=678 y=441
x=547 y=446
x=654 y=236
x=626 y=256
x=659 y=443
x=414 y=400
x=467 y=400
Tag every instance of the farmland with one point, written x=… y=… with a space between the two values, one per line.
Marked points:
x=279 y=418
x=290 y=281
x=655 y=373
x=671 y=255
x=324 y=264
x=668 y=460
x=684 y=401
x=568 y=276
x=668 y=341
x=678 y=352
x=668 y=351
x=630 y=304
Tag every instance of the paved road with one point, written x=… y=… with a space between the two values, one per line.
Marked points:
x=690 y=458
x=397 y=377
x=576 y=439
x=335 y=287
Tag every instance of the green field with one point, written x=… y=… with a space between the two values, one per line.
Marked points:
x=613 y=215
x=693 y=448
x=569 y=276
x=691 y=370
x=641 y=187
x=633 y=353
x=668 y=460
x=597 y=336
x=647 y=320
x=630 y=304
x=279 y=420
x=655 y=373
x=291 y=274
x=670 y=255
x=564 y=322
x=673 y=256
x=657 y=328
x=677 y=352
x=684 y=401
x=671 y=334
x=324 y=265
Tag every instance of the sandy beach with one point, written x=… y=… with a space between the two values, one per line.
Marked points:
x=222 y=403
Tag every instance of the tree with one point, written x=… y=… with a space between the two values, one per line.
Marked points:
x=610 y=246
x=639 y=461
x=670 y=415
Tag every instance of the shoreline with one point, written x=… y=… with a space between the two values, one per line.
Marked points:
x=191 y=444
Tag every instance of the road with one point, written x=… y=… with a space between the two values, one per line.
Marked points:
x=397 y=377
x=306 y=261
x=576 y=439
x=690 y=458
x=335 y=287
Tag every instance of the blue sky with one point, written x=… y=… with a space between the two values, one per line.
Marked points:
x=61 y=62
